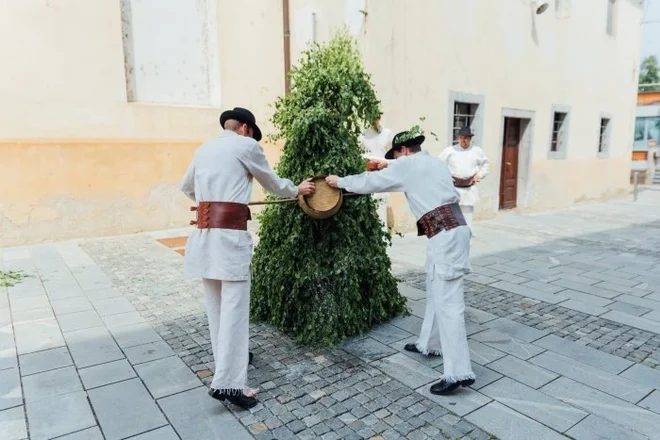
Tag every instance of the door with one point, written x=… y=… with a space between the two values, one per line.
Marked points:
x=509 y=174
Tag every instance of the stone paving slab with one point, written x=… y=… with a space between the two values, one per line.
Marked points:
x=125 y=409
x=509 y=424
x=652 y=402
x=10 y=389
x=54 y=417
x=601 y=380
x=643 y=375
x=406 y=370
x=586 y=355
x=45 y=360
x=605 y=406
x=523 y=371
x=104 y=374
x=507 y=344
x=195 y=416
x=86 y=434
x=148 y=352
x=92 y=346
x=164 y=377
x=534 y=404
x=51 y=383
x=12 y=424
x=596 y=428
x=164 y=433
x=37 y=336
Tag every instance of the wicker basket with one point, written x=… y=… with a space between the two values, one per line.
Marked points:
x=324 y=203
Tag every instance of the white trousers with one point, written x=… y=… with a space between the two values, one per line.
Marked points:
x=228 y=312
x=468 y=210
x=443 y=329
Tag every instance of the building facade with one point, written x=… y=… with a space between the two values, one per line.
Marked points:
x=104 y=101
x=647 y=131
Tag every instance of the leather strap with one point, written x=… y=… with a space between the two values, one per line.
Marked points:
x=221 y=215
x=463 y=183
x=442 y=218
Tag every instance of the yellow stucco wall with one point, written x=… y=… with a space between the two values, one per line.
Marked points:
x=60 y=189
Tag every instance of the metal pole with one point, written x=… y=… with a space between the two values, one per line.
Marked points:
x=635 y=184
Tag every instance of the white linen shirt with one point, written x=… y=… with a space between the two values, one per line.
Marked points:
x=464 y=163
x=221 y=171
x=427 y=184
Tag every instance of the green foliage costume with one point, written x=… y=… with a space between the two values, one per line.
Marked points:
x=324 y=280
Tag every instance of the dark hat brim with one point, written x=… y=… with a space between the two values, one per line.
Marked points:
x=396 y=146
x=240 y=117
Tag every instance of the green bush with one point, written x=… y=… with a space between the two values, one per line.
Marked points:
x=324 y=280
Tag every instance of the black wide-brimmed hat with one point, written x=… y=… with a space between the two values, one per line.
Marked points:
x=465 y=131
x=241 y=115
x=404 y=139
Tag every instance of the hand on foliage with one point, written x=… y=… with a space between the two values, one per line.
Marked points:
x=306 y=187
x=476 y=178
x=376 y=164
x=333 y=181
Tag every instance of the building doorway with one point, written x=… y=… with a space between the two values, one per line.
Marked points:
x=513 y=134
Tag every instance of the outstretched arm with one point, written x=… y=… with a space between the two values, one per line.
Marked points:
x=258 y=166
x=390 y=179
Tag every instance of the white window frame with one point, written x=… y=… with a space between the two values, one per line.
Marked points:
x=563 y=133
x=477 y=125
x=604 y=137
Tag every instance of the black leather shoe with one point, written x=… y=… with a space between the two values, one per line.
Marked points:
x=443 y=387
x=238 y=399
x=413 y=348
x=467 y=382
x=251 y=356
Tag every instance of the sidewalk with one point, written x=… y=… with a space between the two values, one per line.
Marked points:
x=106 y=340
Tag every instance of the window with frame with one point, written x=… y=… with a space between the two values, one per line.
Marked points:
x=464 y=113
x=558 y=129
x=170 y=52
x=611 y=16
x=603 y=140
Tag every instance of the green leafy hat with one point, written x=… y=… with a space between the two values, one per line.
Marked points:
x=405 y=139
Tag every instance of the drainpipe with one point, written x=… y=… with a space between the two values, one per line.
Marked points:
x=287 y=46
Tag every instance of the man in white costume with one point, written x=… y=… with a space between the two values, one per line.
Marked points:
x=433 y=200
x=468 y=165
x=376 y=140
x=219 y=250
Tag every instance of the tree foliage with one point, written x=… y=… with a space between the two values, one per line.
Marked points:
x=649 y=74
x=324 y=280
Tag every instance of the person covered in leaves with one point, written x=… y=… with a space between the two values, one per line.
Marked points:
x=468 y=165
x=376 y=140
x=219 y=250
x=433 y=200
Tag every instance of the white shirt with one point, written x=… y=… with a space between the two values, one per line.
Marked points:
x=376 y=144
x=221 y=171
x=427 y=184
x=464 y=163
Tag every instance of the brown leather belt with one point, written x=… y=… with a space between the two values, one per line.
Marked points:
x=463 y=183
x=222 y=215
x=442 y=218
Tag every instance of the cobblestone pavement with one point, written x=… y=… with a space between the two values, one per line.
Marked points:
x=106 y=339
